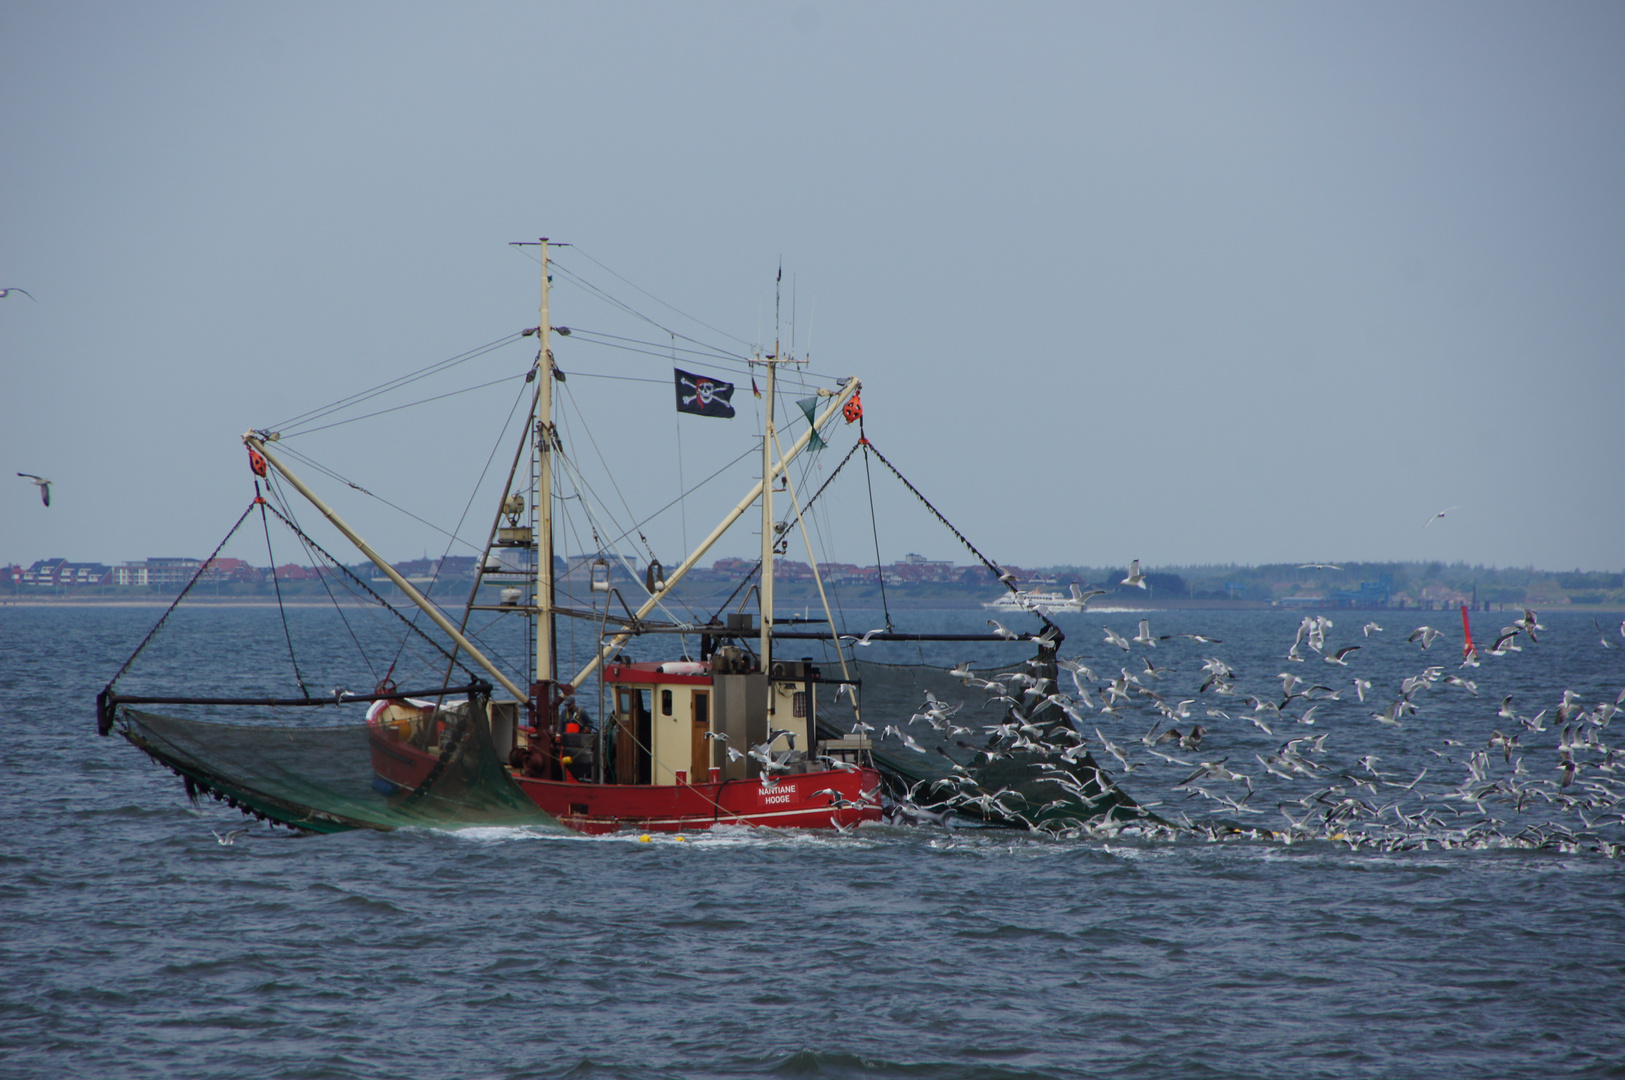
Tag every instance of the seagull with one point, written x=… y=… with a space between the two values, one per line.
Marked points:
x=866 y=638
x=1081 y=598
x=1426 y=633
x=12 y=289
x=231 y=836
x=1003 y=631
x=1369 y=627
x=1319 y=566
x=1439 y=515
x=1144 y=636
x=1115 y=751
x=1338 y=659
x=1114 y=638
x=40 y=482
x=1134 y=575
x=1046 y=640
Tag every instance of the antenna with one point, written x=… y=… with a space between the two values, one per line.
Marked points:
x=778 y=283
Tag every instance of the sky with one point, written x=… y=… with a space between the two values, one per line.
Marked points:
x=1184 y=283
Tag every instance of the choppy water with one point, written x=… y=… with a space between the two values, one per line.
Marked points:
x=136 y=945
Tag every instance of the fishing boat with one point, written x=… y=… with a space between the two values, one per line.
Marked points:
x=735 y=735
x=729 y=738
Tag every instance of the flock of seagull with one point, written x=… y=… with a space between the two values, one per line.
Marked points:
x=1548 y=780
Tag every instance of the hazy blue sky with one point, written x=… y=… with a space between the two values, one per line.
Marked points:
x=1187 y=283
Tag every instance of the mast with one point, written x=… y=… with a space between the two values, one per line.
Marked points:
x=765 y=649
x=542 y=499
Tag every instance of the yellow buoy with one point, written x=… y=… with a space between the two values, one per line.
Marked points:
x=645 y=838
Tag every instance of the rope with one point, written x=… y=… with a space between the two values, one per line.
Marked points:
x=327 y=586
x=805 y=507
x=369 y=591
x=162 y=619
x=287 y=635
x=880 y=575
x=992 y=567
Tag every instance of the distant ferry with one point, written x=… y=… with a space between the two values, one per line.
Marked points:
x=1035 y=600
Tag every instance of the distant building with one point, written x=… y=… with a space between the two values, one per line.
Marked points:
x=1370 y=594
x=233 y=571
x=160 y=572
x=451 y=566
x=60 y=573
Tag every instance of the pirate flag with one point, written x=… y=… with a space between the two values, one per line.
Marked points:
x=703 y=396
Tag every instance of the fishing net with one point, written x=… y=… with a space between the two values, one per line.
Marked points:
x=409 y=764
x=971 y=762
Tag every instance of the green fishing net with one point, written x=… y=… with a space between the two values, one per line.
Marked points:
x=332 y=778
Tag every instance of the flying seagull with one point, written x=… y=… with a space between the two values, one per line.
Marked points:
x=1134 y=576
x=1439 y=515
x=43 y=484
x=12 y=289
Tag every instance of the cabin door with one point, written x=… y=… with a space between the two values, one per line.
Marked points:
x=701 y=759
x=632 y=762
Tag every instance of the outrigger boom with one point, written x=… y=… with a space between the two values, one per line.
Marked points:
x=255 y=442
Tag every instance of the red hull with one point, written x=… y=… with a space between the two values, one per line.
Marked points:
x=794 y=802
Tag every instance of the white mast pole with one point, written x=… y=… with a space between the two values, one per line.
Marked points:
x=765 y=649
x=543 y=497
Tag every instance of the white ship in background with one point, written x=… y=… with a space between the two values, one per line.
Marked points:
x=1046 y=602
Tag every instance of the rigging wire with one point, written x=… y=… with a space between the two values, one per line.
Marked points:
x=346 y=572
x=880 y=573
x=399 y=381
x=587 y=255
x=615 y=302
x=319 y=467
x=586 y=508
x=756 y=451
x=265 y=521
x=704 y=350
x=176 y=603
x=408 y=405
x=502 y=434
x=305 y=540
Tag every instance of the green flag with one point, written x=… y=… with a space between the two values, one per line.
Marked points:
x=809 y=405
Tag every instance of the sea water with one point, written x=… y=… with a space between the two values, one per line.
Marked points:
x=135 y=944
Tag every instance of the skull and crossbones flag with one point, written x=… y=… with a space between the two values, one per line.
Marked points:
x=703 y=396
